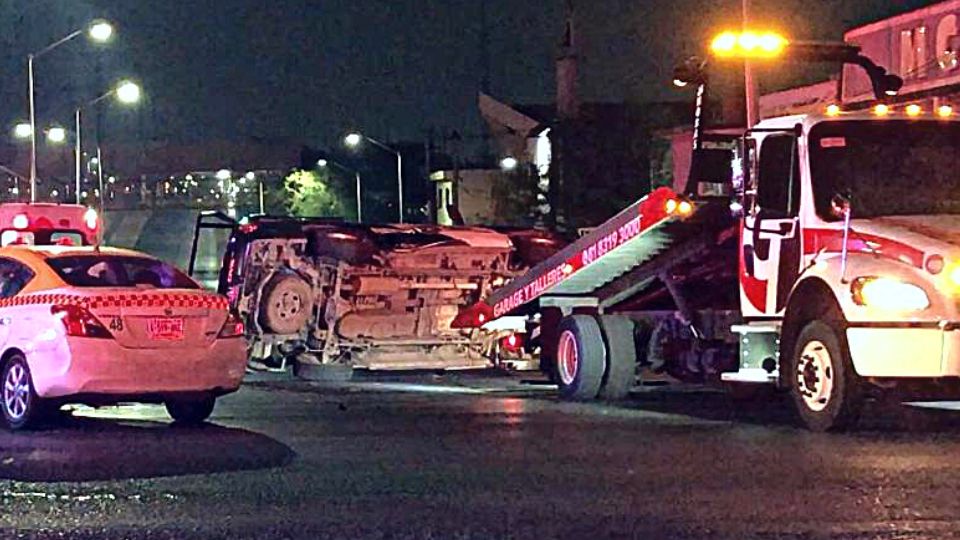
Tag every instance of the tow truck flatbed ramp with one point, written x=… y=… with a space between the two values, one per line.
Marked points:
x=639 y=234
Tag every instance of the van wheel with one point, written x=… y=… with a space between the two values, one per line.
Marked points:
x=621 y=373
x=286 y=304
x=826 y=392
x=20 y=404
x=581 y=358
x=190 y=410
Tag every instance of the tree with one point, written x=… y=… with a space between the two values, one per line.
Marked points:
x=309 y=194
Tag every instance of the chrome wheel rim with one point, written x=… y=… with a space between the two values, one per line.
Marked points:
x=16 y=392
x=568 y=358
x=815 y=376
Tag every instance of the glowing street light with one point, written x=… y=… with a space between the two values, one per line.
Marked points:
x=223 y=174
x=354 y=139
x=99 y=31
x=56 y=135
x=748 y=45
x=22 y=130
x=509 y=163
x=324 y=163
x=128 y=93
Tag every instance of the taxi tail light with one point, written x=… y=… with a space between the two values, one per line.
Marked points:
x=232 y=327
x=79 y=322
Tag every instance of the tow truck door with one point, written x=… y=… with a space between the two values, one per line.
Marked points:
x=770 y=252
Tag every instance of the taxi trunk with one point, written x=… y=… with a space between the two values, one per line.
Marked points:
x=156 y=319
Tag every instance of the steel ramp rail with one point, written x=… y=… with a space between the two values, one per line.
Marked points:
x=629 y=239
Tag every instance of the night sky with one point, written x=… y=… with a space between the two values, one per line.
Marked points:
x=311 y=69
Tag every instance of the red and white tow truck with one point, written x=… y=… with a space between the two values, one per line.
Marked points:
x=829 y=268
x=48 y=224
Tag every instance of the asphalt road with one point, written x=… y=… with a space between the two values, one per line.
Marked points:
x=467 y=456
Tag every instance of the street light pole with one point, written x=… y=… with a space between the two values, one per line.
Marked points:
x=323 y=162
x=101 y=31
x=749 y=82
x=33 y=132
x=356 y=175
x=78 y=157
x=354 y=138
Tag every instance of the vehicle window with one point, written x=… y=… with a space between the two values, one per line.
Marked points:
x=66 y=238
x=14 y=276
x=778 y=190
x=17 y=238
x=98 y=270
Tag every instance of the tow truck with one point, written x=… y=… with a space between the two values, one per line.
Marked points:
x=819 y=255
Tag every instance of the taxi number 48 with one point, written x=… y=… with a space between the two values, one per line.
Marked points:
x=116 y=323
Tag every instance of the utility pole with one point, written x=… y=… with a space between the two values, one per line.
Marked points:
x=749 y=82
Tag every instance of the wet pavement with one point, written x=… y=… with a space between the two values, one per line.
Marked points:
x=479 y=456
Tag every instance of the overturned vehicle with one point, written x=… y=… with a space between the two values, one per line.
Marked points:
x=335 y=295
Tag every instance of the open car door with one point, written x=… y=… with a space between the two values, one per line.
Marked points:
x=211 y=237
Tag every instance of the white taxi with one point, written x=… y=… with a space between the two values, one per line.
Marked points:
x=103 y=326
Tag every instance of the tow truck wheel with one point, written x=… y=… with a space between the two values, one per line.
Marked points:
x=190 y=410
x=286 y=304
x=621 y=357
x=20 y=404
x=581 y=358
x=825 y=389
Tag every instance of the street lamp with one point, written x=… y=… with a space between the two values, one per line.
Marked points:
x=354 y=139
x=126 y=92
x=324 y=163
x=509 y=163
x=22 y=130
x=56 y=135
x=99 y=31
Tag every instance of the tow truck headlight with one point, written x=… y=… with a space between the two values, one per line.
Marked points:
x=888 y=294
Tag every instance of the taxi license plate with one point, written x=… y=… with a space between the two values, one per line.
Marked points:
x=166 y=328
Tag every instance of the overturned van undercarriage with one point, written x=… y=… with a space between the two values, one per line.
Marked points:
x=378 y=297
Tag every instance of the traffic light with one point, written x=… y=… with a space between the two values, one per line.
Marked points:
x=748 y=45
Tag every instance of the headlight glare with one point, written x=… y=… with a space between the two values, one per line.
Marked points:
x=888 y=294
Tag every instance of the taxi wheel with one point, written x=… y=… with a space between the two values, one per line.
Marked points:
x=19 y=402
x=192 y=410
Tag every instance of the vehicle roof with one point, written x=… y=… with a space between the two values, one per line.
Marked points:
x=45 y=252
x=810 y=120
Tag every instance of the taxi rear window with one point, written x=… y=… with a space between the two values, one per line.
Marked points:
x=119 y=271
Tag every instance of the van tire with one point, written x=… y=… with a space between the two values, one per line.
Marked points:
x=286 y=304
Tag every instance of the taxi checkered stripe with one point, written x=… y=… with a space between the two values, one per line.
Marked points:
x=120 y=300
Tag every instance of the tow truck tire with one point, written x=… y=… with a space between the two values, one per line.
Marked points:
x=286 y=304
x=826 y=391
x=581 y=358
x=190 y=410
x=621 y=373
x=21 y=406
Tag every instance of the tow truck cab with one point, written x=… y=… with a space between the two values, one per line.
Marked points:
x=48 y=224
x=853 y=221
x=822 y=257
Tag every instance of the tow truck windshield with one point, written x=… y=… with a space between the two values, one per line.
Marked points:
x=886 y=167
